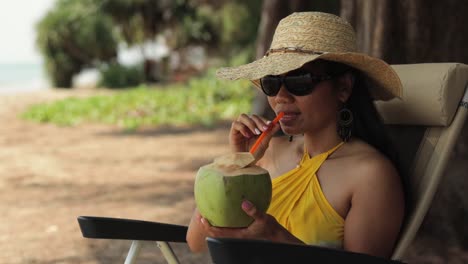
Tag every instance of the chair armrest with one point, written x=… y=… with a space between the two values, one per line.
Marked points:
x=128 y=229
x=230 y=250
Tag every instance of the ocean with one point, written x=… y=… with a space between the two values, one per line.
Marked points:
x=22 y=77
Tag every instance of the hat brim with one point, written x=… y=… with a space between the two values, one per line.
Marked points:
x=385 y=82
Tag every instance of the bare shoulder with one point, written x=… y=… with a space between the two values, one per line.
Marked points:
x=377 y=202
x=369 y=165
x=373 y=178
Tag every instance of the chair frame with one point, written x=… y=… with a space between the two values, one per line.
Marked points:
x=442 y=139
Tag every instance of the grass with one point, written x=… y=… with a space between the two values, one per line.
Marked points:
x=201 y=101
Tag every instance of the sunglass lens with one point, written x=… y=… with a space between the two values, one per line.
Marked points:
x=270 y=85
x=300 y=85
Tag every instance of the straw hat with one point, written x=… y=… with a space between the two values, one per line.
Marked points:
x=307 y=36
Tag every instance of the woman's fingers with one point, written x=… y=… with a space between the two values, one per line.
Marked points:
x=260 y=122
x=251 y=210
x=246 y=129
x=256 y=124
x=251 y=123
x=213 y=231
x=241 y=128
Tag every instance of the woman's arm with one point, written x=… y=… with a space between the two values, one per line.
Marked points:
x=377 y=209
x=195 y=234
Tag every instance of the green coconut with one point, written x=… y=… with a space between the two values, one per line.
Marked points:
x=221 y=186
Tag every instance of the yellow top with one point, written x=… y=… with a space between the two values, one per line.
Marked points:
x=299 y=204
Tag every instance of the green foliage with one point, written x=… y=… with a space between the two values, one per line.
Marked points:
x=239 y=24
x=136 y=20
x=78 y=34
x=226 y=25
x=241 y=57
x=203 y=100
x=190 y=23
x=196 y=27
x=231 y=27
x=115 y=75
x=73 y=36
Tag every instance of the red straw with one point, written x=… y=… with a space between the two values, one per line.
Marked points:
x=260 y=138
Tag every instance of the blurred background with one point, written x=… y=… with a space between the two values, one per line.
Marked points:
x=107 y=104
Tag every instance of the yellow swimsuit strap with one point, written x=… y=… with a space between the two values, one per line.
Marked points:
x=324 y=154
x=298 y=191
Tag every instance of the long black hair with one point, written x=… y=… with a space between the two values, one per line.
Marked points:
x=367 y=124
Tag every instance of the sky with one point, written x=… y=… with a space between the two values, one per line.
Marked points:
x=17 y=29
x=18 y=36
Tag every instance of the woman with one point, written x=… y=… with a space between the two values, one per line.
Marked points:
x=335 y=182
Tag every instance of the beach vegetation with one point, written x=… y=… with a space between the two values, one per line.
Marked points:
x=115 y=75
x=204 y=101
x=81 y=34
x=71 y=38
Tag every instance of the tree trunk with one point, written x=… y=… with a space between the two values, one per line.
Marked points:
x=418 y=31
x=272 y=12
x=410 y=31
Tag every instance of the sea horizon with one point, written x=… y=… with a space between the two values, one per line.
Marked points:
x=22 y=77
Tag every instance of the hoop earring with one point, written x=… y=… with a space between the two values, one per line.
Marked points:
x=345 y=123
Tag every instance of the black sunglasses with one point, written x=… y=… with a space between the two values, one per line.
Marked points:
x=299 y=85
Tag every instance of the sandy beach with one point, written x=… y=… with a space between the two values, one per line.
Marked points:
x=49 y=175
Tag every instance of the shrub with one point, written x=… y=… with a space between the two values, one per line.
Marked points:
x=118 y=76
x=73 y=36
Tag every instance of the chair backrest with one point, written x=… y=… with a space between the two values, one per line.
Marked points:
x=424 y=126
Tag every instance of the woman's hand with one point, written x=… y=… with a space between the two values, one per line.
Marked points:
x=264 y=227
x=245 y=131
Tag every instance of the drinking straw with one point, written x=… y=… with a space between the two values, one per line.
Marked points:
x=260 y=138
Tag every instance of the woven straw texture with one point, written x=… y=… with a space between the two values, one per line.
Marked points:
x=307 y=36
